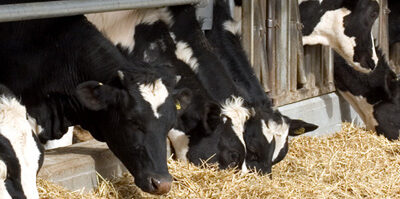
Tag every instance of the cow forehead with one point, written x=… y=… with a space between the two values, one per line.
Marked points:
x=235 y=110
x=155 y=94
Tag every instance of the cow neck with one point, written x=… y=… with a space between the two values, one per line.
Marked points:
x=210 y=71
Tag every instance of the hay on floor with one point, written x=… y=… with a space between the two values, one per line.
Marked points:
x=353 y=163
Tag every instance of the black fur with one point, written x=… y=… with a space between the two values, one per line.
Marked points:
x=66 y=73
x=381 y=88
x=200 y=119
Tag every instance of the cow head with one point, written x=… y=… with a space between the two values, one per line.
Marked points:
x=133 y=115
x=358 y=24
x=267 y=138
x=387 y=110
x=21 y=154
x=387 y=113
x=375 y=96
x=210 y=136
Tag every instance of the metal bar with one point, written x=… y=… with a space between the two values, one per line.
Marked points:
x=38 y=10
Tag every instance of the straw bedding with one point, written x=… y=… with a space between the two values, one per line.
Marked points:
x=353 y=163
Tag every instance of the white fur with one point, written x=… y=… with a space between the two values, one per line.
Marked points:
x=185 y=53
x=235 y=27
x=268 y=134
x=15 y=126
x=363 y=108
x=180 y=142
x=234 y=109
x=121 y=75
x=330 y=32
x=155 y=94
x=178 y=78
x=119 y=26
x=280 y=132
x=65 y=140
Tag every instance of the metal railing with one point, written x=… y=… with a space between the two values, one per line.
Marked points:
x=48 y=9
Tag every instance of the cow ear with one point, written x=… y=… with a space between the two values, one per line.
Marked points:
x=3 y=171
x=212 y=117
x=97 y=96
x=298 y=127
x=182 y=98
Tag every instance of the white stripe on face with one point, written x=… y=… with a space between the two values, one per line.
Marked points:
x=280 y=132
x=155 y=94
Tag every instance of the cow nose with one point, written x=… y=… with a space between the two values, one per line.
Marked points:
x=161 y=186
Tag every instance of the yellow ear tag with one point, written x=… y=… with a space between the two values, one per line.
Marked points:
x=178 y=105
x=300 y=131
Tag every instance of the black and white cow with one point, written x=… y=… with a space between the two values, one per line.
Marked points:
x=194 y=49
x=68 y=74
x=268 y=143
x=358 y=22
x=379 y=92
x=344 y=25
x=21 y=154
x=200 y=133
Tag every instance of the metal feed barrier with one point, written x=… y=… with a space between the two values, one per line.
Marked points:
x=273 y=40
x=48 y=9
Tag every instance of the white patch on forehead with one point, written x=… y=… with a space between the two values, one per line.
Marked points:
x=119 y=26
x=268 y=133
x=155 y=94
x=233 y=27
x=234 y=109
x=15 y=126
x=280 y=132
x=185 y=53
x=363 y=108
x=180 y=142
x=330 y=32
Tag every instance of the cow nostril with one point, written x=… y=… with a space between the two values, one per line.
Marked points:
x=160 y=186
